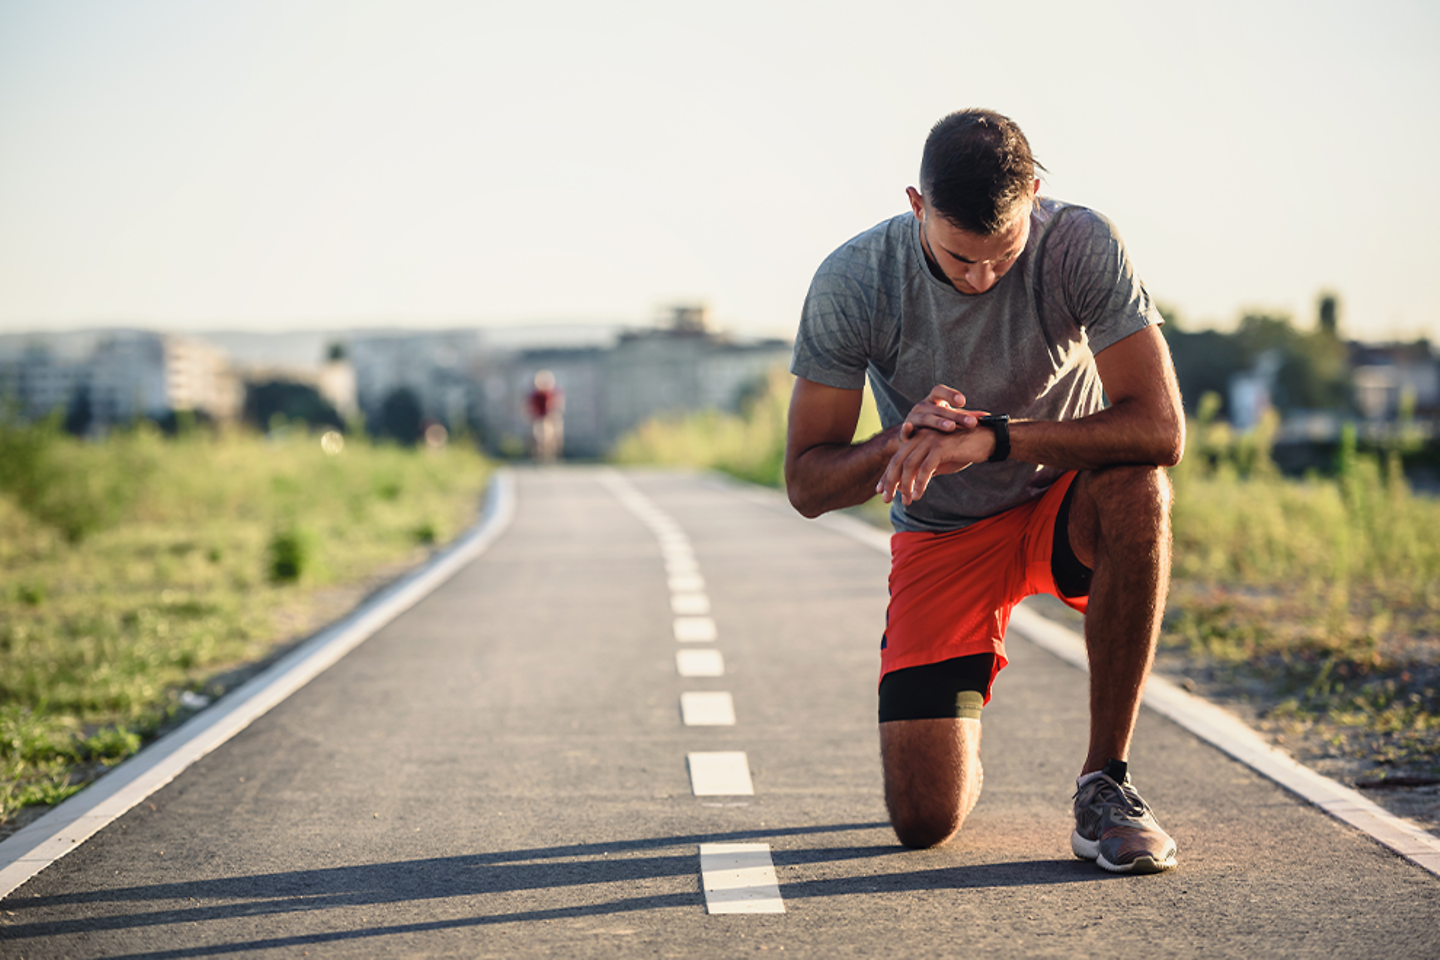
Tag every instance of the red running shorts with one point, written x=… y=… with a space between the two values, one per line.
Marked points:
x=951 y=593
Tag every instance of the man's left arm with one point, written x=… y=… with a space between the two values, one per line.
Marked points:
x=1144 y=424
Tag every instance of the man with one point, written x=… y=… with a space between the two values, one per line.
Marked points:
x=546 y=404
x=987 y=301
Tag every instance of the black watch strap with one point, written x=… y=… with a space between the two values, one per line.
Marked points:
x=1000 y=424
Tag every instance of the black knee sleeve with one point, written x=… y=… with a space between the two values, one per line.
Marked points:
x=937 y=691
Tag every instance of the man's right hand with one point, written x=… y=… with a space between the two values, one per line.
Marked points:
x=931 y=453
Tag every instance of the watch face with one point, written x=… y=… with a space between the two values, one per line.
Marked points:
x=995 y=418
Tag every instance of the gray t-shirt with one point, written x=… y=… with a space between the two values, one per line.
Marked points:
x=1024 y=347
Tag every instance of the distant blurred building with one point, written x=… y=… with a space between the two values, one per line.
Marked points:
x=123 y=376
x=40 y=379
x=1395 y=378
x=466 y=380
x=1251 y=391
x=681 y=367
x=435 y=367
x=336 y=383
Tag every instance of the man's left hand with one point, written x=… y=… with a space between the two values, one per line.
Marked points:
x=943 y=410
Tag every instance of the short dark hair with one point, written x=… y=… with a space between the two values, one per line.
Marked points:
x=977 y=170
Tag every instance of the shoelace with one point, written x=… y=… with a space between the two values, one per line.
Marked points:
x=1128 y=799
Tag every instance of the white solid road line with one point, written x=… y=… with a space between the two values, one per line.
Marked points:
x=739 y=878
x=70 y=824
x=707 y=709
x=722 y=774
x=699 y=663
x=695 y=629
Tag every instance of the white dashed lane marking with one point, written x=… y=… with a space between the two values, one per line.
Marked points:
x=686 y=583
x=723 y=774
x=739 y=878
x=707 y=709
x=699 y=663
x=682 y=567
x=694 y=629
x=689 y=604
x=736 y=877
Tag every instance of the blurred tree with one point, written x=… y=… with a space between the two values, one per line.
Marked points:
x=80 y=415
x=1259 y=332
x=1204 y=361
x=1327 y=320
x=1326 y=357
x=179 y=423
x=292 y=401
x=400 y=417
x=1313 y=373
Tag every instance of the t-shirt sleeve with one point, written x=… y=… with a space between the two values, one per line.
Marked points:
x=832 y=344
x=1099 y=287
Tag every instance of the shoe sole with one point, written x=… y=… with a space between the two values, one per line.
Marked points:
x=1090 y=850
x=1082 y=848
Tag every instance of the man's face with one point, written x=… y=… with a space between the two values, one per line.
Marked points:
x=972 y=262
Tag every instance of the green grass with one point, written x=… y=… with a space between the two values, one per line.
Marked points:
x=199 y=556
x=1318 y=600
x=749 y=445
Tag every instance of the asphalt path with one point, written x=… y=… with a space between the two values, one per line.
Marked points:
x=502 y=771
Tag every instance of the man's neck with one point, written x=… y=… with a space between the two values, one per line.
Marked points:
x=930 y=261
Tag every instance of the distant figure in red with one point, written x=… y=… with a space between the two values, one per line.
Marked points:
x=546 y=405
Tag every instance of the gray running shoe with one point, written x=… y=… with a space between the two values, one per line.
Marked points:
x=1115 y=828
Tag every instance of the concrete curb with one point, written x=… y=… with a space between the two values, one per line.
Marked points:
x=1216 y=727
x=70 y=824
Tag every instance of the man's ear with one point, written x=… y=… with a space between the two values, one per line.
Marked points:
x=917 y=202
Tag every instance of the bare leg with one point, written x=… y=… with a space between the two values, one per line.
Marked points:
x=1120 y=528
x=932 y=777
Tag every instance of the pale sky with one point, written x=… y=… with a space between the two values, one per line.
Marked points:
x=283 y=165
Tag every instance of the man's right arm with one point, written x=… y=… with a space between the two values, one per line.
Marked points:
x=824 y=469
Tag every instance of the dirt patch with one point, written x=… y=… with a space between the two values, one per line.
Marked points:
x=1362 y=713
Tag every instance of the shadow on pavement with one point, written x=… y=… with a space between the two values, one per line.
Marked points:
x=545 y=868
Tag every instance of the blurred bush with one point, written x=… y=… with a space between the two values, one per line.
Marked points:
x=748 y=444
x=70 y=485
x=291 y=550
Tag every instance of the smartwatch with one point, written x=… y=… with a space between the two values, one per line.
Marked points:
x=1000 y=423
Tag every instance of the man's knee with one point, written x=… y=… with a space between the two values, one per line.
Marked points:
x=1129 y=487
x=920 y=829
x=932 y=777
x=1120 y=505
